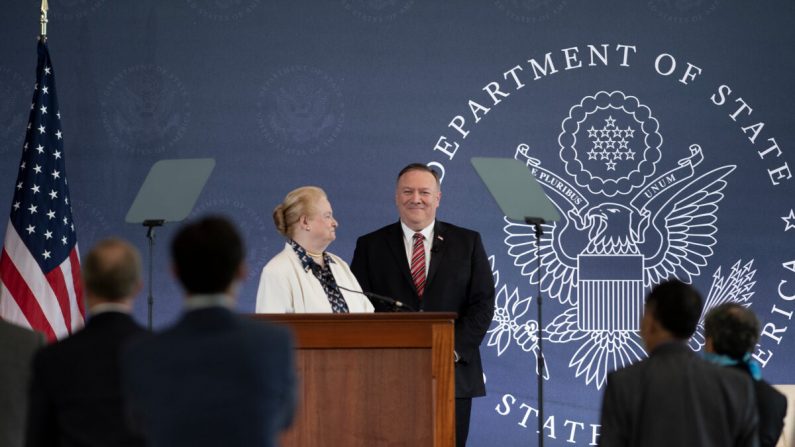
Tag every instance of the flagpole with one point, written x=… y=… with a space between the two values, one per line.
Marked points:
x=44 y=8
x=39 y=250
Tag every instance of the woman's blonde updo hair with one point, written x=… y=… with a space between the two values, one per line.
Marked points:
x=298 y=202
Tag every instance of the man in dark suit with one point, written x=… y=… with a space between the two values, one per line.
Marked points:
x=76 y=393
x=433 y=266
x=214 y=378
x=732 y=332
x=674 y=397
x=17 y=346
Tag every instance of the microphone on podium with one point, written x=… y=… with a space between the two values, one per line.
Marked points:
x=399 y=305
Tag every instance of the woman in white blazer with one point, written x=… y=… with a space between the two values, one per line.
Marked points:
x=304 y=277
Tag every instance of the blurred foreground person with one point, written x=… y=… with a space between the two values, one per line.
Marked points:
x=214 y=378
x=76 y=397
x=17 y=346
x=674 y=397
x=731 y=332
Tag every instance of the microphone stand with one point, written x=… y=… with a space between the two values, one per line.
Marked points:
x=398 y=306
x=536 y=223
x=151 y=224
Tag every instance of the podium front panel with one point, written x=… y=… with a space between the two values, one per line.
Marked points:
x=372 y=379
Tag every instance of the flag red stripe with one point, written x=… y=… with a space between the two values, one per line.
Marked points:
x=58 y=286
x=76 y=281
x=25 y=299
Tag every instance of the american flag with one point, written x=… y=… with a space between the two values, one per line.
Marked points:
x=39 y=265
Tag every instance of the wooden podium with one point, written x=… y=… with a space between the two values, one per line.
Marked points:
x=383 y=379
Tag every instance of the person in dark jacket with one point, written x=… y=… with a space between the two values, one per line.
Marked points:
x=674 y=397
x=215 y=378
x=731 y=333
x=434 y=266
x=17 y=347
x=76 y=397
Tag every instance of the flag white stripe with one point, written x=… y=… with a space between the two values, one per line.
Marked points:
x=66 y=270
x=77 y=313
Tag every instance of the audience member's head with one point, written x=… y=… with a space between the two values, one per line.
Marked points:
x=208 y=256
x=672 y=312
x=112 y=272
x=731 y=330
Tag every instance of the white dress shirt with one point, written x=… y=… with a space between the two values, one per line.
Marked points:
x=408 y=243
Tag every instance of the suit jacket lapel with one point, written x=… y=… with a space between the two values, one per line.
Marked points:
x=437 y=252
x=398 y=249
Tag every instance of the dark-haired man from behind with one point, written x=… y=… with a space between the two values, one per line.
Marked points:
x=731 y=333
x=214 y=378
x=674 y=397
x=76 y=397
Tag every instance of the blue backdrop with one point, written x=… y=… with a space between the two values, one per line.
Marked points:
x=662 y=126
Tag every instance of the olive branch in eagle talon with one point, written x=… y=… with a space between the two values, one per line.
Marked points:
x=509 y=325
